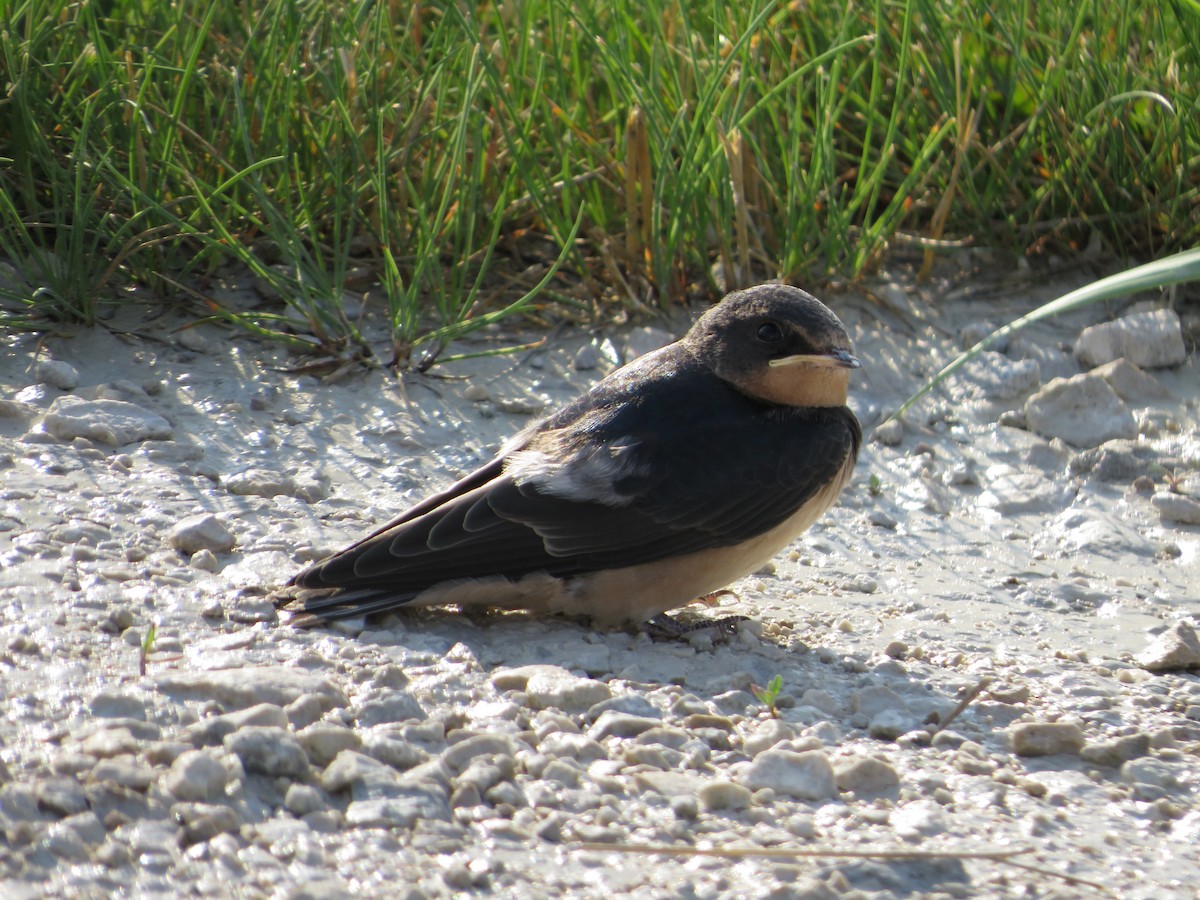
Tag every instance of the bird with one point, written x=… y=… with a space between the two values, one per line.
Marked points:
x=671 y=478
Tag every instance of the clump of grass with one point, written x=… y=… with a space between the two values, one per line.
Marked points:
x=460 y=156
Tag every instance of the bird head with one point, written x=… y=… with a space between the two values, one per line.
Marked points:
x=777 y=344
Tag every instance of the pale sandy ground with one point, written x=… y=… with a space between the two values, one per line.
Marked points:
x=970 y=550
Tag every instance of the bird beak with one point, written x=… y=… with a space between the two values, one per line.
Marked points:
x=836 y=359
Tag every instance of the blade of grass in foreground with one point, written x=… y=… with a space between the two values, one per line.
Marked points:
x=1162 y=272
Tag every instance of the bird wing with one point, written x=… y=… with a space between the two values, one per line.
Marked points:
x=617 y=481
x=712 y=482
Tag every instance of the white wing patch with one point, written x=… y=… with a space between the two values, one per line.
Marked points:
x=588 y=474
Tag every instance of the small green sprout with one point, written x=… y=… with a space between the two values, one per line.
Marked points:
x=768 y=695
x=875 y=485
x=147 y=647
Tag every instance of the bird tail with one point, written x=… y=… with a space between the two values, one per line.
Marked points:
x=310 y=607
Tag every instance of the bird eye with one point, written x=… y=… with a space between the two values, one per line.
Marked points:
x=770 y=333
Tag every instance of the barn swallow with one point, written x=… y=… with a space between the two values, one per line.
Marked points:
x=671 y=478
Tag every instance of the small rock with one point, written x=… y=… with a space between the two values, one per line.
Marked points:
x=881 y=519
x=164 y=753
x=719 y=794
x=646 y=339
x=200 y=532
x=1175 y=650
x=586 y=358
x=66 y=845
x=420 y=802
x=389 y=675
x=458 y=756
x=204 y=561
x=111 y=422
x=304 y=710
x=196 y=775
x=890 y=433
x=113 y=855
x=121 y=772
x=239 y=688
x=563 y=771
x=350 y=767
x=1177 y=508
x=213 y=730
x=631 y=704
x=1131 y=383
x=820 y=699
x=192 y=339
x=171 y=451
x=866 y=775
x=670 y=784
x=323 y=741
x=566 y=692
x=61 y=796
x=919 y=818
x=114 y=704
x=1121 y=462
x=87 y=826
x=1156 y=772
x=1012 y=490
x=767 y=736
x=258 y=482
x=249 y=608
x=13 y=409
x=1012 y=418
x=1152 y=340
x=974 y=332
x=805 y=776
x=397 y=706
x=520 y=406
x=322 y=886
x=996 y=377
x=860 y=583
x=395 y=752
x=481 y=776
x=1082 y=410
x=515 y=679
x=68 y=763
x=57 y=373
x=621 y=725
x=890 y=724
x=1045 y=738
x=1116 y=751
x=204 y=821
x=266 y=750
x=870 y=701
x=575 y=746
x=110 y=742
x=302 y=799
x=1083 y=530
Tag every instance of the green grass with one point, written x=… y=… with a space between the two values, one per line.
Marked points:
x=479 y=160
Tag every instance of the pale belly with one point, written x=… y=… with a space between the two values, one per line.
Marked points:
x=637 y=593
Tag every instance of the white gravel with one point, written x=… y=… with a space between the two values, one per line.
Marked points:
x=144 y=481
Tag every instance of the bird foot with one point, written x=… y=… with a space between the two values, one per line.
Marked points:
x=665 y=628
x=715 y=597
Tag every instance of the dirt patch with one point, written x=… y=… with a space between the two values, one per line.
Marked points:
x=444 y=754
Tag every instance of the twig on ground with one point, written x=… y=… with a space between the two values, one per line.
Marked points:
x=962 y=704
x=1005 y=856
